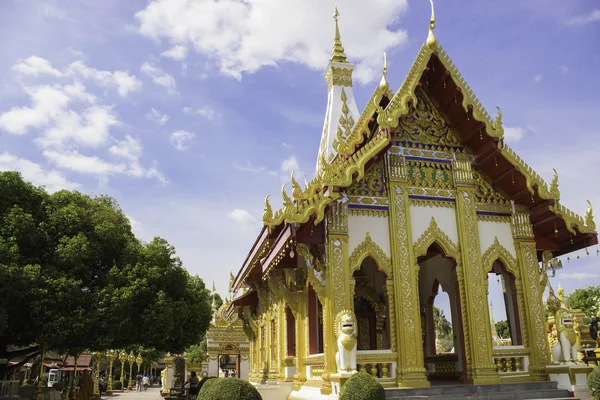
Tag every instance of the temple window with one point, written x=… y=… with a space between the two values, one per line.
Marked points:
x=504 y=307
x=291 y=332
x=371 y=307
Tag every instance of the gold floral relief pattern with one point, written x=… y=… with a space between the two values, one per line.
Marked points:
x=494 y=218
x=424 y=124
x=498 y=252
x=367 y=212
x=430 y=174
x=337 y=272
x=431 y=203
x=404 y=268
x=485 y=192
x=535 y=301
x=346 y=122
x=368 y=248
x=433 y=234
x=474 y=278
x=373 y=183
x=389 y=283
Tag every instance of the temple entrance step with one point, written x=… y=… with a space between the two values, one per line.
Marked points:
x=504 y=391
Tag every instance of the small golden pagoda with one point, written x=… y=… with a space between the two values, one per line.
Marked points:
x=415 y=195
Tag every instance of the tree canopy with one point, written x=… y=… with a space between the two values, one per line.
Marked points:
x=503 y=329
x=585 y=299
x=74 y=277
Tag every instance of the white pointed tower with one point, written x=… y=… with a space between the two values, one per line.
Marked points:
x=342 y=112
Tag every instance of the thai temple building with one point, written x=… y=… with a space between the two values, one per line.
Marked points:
x=414 y=196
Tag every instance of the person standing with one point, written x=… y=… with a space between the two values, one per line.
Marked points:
x=193 y=381
x=138 y=382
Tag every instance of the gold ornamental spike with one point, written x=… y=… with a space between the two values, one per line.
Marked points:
x=338 y=54
x=431 y=41
x=213 y=288
x=296 y=189
x=383 y=85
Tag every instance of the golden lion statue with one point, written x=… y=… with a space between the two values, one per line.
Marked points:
x=345 y=356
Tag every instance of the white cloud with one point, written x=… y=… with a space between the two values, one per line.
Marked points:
x=136 y=226
x=177 y=53
x=93 y=165
x=243 y=218
x=290 y=165
x=158 y=116
x=130 y=148
x=513 y=134
x=593 y=16
x=159 y=76
x=564 y=69
x=580 y=276
x=36 y=66
x=125 y=82
x=537 y=78
x=34 y=173
x=244 y=37
x=90 y=128
x=249 y=167
x=286 y=145
x=179 y=138
x=206 y=111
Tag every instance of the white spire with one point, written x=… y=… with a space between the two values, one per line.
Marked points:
x=342 y=111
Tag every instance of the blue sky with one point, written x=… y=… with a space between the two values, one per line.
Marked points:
x=190 y=112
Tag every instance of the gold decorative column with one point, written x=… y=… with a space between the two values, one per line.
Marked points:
x=532 y=295
x=338 y=296
x=131 y=359
x=111 y=355
x=410 y=371
x=139 y=360
x=478 y=337
x=96 y=392
x=300 y=322
x=122 y=359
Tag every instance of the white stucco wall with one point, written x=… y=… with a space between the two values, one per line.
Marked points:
x=445 y=217
x=378 y=228
x=488 y=230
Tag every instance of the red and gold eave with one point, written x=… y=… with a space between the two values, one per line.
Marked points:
x=556 y=231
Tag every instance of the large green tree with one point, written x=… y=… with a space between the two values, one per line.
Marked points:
x=74 y=277
x=503 y=329
x=586 y=299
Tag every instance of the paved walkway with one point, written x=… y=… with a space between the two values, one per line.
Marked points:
x=279 y=392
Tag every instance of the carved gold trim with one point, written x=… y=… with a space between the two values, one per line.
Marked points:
x=494 y=218
x=433 y=234
x=432 y=203
x=365 y=212
x=498 y=252
x=368 y=248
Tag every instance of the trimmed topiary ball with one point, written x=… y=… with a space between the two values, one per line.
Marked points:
x=593 y=381
x=362 y=386
x=228 y=389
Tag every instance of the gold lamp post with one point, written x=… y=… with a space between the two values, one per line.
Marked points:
x=111 y=354
x=38 y=388
x=139 y=360
x=98 y=356
x=122 y=359
x=131 y=359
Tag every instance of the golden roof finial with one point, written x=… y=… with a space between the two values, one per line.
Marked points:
x=431 y=41
x=214 y=289
x=383 y=85
x=338 y=54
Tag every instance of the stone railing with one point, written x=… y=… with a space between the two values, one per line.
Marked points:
x=442 y=366
x=511 y=360
x=381 y=364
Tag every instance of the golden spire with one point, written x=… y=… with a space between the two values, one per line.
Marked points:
x=338 y=54
x=431 y=41
x=214 y=289
x=383 y=85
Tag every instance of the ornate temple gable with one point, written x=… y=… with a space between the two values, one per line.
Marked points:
x=434 y=77
x=368 y=196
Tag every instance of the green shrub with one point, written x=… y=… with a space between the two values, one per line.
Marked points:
x=203 y=381
x=593 y=382
x=228 y=389
x=116 y=385
x=125 y=383
x=362 y=386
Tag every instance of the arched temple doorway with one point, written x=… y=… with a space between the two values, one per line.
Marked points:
x=229 y=361
x=505 y=316
x=441 y=319
x=371 y=306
